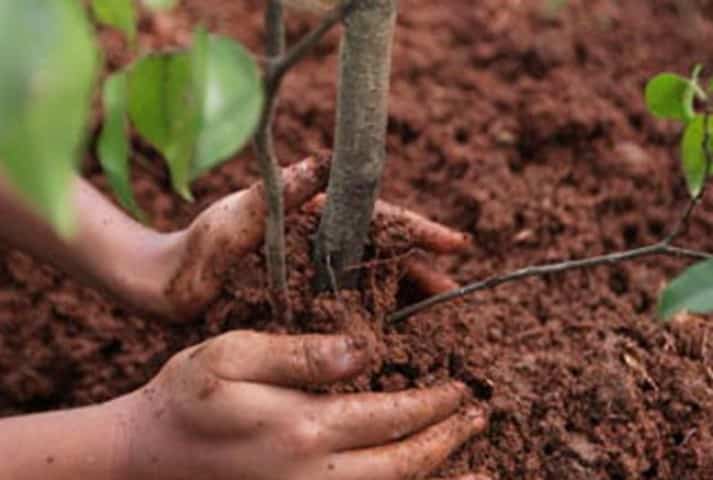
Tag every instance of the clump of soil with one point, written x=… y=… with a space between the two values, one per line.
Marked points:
x=522 y=126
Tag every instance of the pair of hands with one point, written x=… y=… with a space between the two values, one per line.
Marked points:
x=231 y=407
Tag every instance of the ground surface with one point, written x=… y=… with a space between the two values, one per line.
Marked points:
x=528 y=132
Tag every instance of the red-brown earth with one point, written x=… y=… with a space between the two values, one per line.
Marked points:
x=524 y=128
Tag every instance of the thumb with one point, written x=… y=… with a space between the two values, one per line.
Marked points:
x=237 y=222
x=283 y=360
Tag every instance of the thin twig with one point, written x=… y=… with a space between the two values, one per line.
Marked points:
x=660 y=248
x=685 y=252
x=279 y=63
x=664 y=247
x=270 y=169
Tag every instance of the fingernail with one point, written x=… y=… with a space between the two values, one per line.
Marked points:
x=476 y=417
x=356 y=344
x=352 y=352
x=461 y=387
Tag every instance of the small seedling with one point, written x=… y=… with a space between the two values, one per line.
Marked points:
x=671 y=96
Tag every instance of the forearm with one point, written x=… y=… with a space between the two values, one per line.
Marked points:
x=86 y=443
x=109 y=250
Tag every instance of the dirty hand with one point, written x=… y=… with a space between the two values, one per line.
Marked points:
x=235 y=226
x=177 y=275
x=228 y=409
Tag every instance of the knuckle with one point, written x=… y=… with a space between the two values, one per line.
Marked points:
x=176 y=365
x=218 y=351
x=206 y=386
x=212 y=354
x=313 y=361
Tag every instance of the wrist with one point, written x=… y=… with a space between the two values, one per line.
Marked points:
x=119 y=255
x=65 y=445
x=144 y=449
x=120 y=416
x=123 y=416
x=144 y=270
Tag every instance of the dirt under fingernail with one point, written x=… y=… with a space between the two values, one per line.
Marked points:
x=476 y=416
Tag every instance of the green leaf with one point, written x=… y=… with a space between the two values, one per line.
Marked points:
x=162 y=107
x=692 y=154
x=160 y=4
x=47 y=60
x=198 y=107
x=114 y=143
x=671 y=96
x=120 y=14
x=233 y=99
x=692 y=291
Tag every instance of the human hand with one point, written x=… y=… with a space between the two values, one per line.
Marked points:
x=235 y=226
x=228 y=408
x=426 y=234
x=225 y=232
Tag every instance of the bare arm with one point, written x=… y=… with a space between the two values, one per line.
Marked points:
x=68 y=445
x=110 y=250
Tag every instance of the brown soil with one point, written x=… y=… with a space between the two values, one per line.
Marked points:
x=524 y=129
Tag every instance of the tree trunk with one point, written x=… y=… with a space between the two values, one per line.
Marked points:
x=360 y=142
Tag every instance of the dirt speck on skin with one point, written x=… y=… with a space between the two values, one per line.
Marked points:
x=525 y=130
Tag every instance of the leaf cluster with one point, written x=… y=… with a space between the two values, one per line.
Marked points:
x=671 y=96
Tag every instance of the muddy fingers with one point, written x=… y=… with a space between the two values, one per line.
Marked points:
x=244 y=212
x=429 y=281
x=284 y=360
x=229 y=229
x=412 y=457
x=379 y=418
x=428 y=234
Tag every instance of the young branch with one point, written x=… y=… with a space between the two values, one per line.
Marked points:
x=283 y=64
x=269 y=167
x=279 y=63
x=661 y=248
x=360 y=140
x=664 y=247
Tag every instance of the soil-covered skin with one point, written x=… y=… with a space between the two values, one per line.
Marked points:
x=522 y=127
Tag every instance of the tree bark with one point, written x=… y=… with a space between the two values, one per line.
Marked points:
x=360 y=141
